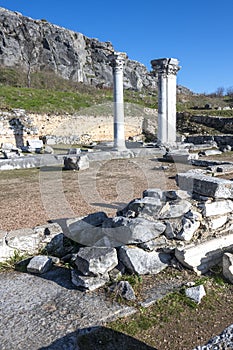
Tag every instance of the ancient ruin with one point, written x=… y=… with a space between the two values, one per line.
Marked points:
x=166 y=70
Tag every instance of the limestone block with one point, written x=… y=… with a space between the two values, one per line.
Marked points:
x=94 y=261
x=180 y=156
x=154 y=244
x=217 y=208
x=145 y=207
x=24 y=240
x=88 y=282
x=5 y=251
x=73 y=162
x=132 y=231
x=205 y=185
x=138 y=261
x=196 y=293
x=227 y=266
x=154 y=192
x=211 y=152
x=124 y=289
x=200 y=258
x=188 y=229
x=173 y=227
x=86 y=230
x=39 y=264
x=175 y=209
x=215 y=223
x=83 y=162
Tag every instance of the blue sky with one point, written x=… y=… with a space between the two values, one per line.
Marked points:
x=197 y=32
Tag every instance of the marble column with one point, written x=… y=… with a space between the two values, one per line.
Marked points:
x=166 y=70
x=117 y=62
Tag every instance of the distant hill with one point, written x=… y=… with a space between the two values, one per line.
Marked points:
x=37 y=45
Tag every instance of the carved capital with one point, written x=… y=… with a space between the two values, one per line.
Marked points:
x=165 y=66
x=117 y=60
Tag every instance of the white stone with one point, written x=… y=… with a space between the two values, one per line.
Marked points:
x=141 y=262
x=212 y=152
x=174 y=209
x=196 y=293
x=39 y=264
x=117 y=62
x=93 y=261
x=217 y=208
x=227 y=266
x=205 y=185
x=83 y=162
x=88 y=282
x=166 y=70
x=203 y=256
x=215 y=223
x=188 y=230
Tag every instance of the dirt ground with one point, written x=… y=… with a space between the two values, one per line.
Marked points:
x=32 y=197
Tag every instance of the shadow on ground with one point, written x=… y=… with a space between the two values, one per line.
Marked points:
x=97 y=338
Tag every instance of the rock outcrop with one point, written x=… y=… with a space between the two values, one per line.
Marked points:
x=41 y=46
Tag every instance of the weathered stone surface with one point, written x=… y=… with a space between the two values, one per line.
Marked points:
x=196 y=293
x=141 y=262
x=227 y=266
x=73 y=162
x=173 y=227
x=203 y=256
x=189 y=227
x=154 y=192
x=145 y=207
x=154 y=244
x=24 y=239
x=88 y=282
x=132 y=231
x=86 y=230
x=94 y=261
x=220 y=342
x=5 y=251
x=124 y=289
x=39 y=264
x=217 y=208
x=205 y=185
x=215 y=223
x=211 y=152
x=69 y=54
x=174 y=209
x=180 y=156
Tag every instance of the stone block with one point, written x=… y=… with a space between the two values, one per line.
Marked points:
x=154 y=192
x=88 y=282
x=123 y=289
x=196 y=293
x=174 y=209
x=39 y=264
x=201 y=257
x=227 y=266
x=86 y=230
x=138 y=261
x=145 y=207
x=24 y=240
x=205 y=185
x=215 y=208
x=94 y=261
x=132 y=231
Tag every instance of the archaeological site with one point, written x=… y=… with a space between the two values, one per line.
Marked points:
x=116 y=198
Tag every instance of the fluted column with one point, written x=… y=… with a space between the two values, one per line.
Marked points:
x=166 y=70
x=117 y=62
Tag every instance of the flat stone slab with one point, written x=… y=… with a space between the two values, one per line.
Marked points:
x=205 y=185
x=37 y=312
x=200 y=258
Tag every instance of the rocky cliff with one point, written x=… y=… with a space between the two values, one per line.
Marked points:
x=36 y=45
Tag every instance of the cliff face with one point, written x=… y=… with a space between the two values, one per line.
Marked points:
x=40 y=46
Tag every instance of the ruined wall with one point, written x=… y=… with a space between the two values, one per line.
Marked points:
x=17 y=126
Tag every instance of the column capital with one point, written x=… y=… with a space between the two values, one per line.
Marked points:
x=117 y=60
x=165 y=66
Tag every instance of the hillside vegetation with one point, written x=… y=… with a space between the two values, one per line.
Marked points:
x=49 y=93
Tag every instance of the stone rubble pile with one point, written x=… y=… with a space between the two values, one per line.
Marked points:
x=191 y=227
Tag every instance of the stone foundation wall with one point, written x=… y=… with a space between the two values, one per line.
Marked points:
x=17 y=126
